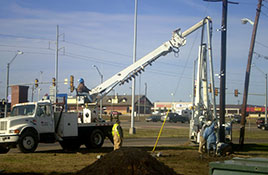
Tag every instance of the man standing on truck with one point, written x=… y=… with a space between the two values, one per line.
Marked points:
x=117 y=134
x=82 y=89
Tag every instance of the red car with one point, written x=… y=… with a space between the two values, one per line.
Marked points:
x=261 y=124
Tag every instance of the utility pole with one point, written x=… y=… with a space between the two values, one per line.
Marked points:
x=223 y=66
x=247 y=76
x=56 y=62
x=223 y=71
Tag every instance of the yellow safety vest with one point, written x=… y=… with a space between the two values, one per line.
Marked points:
x=115 y=129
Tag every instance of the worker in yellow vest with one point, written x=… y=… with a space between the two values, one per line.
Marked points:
x=117 y=135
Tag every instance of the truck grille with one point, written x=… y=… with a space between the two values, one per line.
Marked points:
x=3 y=126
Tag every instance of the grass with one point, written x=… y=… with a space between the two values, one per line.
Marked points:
x=183 y=159
x=167 y=132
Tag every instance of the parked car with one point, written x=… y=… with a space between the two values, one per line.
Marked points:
x=153 y=118
x=174 y=117
x=236 y=118
x=261 y=124
x=260 y=121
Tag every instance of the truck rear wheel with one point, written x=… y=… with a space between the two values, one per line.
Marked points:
x=70 y=145
x=4 y=149
x=28 y=142
x=95 y=140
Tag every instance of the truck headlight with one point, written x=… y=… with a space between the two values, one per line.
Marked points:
x=16 y=131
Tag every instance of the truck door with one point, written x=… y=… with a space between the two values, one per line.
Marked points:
x=44 y=118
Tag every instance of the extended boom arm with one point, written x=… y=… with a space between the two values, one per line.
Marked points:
x=177 y=40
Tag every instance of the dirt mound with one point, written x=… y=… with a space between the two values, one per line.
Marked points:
x=127 y=161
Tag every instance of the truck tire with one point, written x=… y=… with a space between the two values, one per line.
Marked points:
x=28 y=142
x=4 y=149
x=96 y=139
x=70 y=145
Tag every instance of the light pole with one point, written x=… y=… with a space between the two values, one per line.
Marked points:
x=132 y=129
x=246 y=20
x=7 y=78
x=265 y=74
x=101 y=82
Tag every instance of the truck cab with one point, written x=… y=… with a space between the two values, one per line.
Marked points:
x=27 y=124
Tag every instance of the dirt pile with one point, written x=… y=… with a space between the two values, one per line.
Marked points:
x=127 y=161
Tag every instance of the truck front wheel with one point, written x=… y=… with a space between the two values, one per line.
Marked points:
x=28 y=142
x=4 y=149
x=95 y=139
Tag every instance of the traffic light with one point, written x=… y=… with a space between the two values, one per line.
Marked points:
x=54 y=81
x=71 y=83
x=216 y=91
x=209 y=88
x=236 y=92
x=36 y=83
x=194 y=90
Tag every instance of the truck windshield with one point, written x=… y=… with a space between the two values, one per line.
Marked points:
x=23 y=110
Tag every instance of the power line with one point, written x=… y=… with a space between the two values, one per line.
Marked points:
x=24 y=37
x=261 y=56
x=264 y=14
x=103 y=50
x=28 y=47
x=261 y=44
x=265 y=7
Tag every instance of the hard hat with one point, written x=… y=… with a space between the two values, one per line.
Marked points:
x=209 y=123
x=81 y=80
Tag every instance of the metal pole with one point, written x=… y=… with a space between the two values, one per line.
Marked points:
x=145 y=92
x=101 y=82
x=246 y=85
x=7 y=78
x=7 y=84
x=56 y=62
x=265 y=98
x=223 y=71
x=132 y=128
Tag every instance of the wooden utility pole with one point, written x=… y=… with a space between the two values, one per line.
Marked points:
x=223 y=70
x=246 y=85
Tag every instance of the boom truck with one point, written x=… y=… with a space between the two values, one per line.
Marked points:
x=203 y=104
x=32 y=123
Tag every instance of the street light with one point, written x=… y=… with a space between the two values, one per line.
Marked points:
x=265 y=74
x=101 y=82
x=7 y=78
x=246 y=20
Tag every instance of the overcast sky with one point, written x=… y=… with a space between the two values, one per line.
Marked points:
x=101 y=33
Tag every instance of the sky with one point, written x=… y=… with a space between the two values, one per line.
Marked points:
x=101 y=33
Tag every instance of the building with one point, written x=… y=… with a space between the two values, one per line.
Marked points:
x=230 y=109
x=172 y=106
x=122 y=104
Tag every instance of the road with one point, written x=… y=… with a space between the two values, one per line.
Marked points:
x=144 y=142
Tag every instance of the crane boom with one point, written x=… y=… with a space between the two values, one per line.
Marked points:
x=177 y=40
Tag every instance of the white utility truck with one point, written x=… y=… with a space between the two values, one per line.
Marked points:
x=33 y=123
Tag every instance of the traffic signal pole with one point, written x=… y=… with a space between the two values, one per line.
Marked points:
x=246 y=85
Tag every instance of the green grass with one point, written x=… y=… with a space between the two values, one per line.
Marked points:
x=167 y=132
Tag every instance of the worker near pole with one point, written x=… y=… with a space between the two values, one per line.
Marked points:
x=82 y=89
x=210 y=137
x=202 y=141
x=117 y=133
